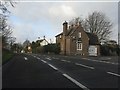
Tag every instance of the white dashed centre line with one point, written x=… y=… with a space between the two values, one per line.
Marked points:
x=53 y=66
x=38 y=58
x=65 y=61
x=25 y=58
x=113 y=74
x=48 y=58
x=43 y=61
x=76 y=82
x=84 y=66
x=55 y=58
x=34 y=56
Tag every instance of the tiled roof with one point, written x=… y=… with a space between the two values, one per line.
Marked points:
x=72 y=30
x=93 y=39
x=39 y=41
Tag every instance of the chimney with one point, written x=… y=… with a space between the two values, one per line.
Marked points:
x=65 y=26
x=44 y=37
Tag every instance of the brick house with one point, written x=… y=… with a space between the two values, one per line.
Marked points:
x=75 y=41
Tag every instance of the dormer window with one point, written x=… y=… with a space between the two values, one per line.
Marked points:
x=79 y=34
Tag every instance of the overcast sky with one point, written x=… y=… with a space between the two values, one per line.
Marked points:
x=31 y=20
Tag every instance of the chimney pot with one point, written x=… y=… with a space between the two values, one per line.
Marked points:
x=65 y=26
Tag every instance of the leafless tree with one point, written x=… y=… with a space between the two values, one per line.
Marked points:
x=98 y=24
x=75 y=21
x=4 y=5
x=5 y=29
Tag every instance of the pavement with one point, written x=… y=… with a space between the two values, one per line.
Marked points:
x=111 y=59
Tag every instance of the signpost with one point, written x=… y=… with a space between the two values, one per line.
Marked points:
x=92 y=50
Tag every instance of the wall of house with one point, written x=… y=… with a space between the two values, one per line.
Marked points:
x=58 y=39
x=61 y=41
x=44 y=43
x=73 y=47
x=85 y=42
x=98 y=50
x=68 y=46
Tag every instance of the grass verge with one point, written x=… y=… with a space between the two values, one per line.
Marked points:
x=6 y=56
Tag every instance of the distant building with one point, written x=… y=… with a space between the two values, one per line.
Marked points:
x=42 y=42
x=75 y=41
x=26 y=43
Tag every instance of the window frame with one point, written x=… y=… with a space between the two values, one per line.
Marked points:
x=79 y=45
x=79 y=35
x=60 y=37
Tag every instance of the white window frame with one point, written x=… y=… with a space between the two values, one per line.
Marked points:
x=79 y=34
x=79 y=45
x=60 y=36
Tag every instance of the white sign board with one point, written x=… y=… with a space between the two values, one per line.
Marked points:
x=92 y=50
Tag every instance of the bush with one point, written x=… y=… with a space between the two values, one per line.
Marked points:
x=108 y=50
x=52 y=48
x=40 y=49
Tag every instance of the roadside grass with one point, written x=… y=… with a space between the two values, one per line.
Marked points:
x=6 y=56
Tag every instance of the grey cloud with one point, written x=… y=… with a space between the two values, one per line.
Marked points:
x=55 y=13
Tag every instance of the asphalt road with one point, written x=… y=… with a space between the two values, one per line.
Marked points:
x=52 y=71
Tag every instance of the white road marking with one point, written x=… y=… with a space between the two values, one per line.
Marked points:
x=86 y=58
x=37 y=57
x=113 y=74
x=25 y=58
x=53 y=66
x=84 y=66
x=76 y=82
x=105 y=58
x=100 y=61
x=34 y=56
x=43 y=61
x=55 y=58
x=48 y=58
x=66 y=61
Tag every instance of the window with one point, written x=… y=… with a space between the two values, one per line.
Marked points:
x=60 y=36
x=79 y=45
x=79 y=34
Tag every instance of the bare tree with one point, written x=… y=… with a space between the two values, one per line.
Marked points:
x=75 y=21
x=98 y=24
x=5 y=29
x=4 y=5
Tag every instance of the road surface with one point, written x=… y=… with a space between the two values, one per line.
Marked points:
x=55 y=71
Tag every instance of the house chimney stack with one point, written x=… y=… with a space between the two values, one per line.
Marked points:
x=65 y=26
x=43 y=37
